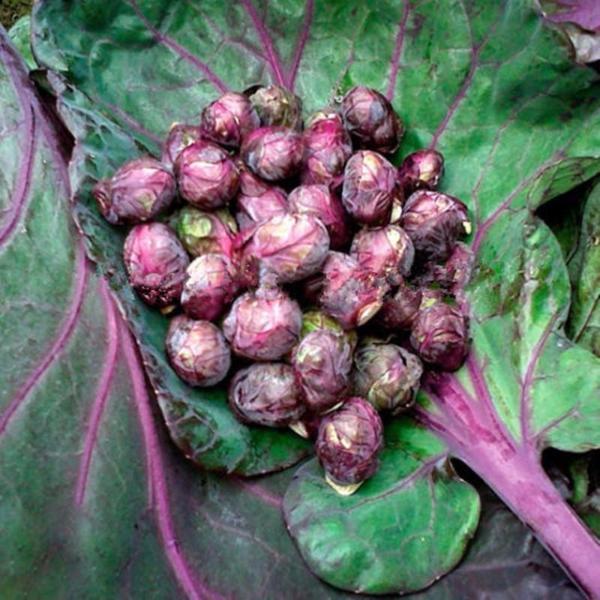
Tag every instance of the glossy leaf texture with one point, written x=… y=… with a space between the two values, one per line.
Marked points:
x=516 y=121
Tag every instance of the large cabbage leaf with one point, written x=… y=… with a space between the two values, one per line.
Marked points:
x=518 y=124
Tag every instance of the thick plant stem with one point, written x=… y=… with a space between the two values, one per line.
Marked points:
x=520 y=481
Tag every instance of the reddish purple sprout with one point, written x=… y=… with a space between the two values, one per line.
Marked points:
x=434 y=221
x=349 y=442
x=400 y=309
x=266 y=394
x=327 y=147
x=387 y=251
x=277 y=106
x=229 y=119
x=322 y=363
x=273 y=153
x=263 y=325
x=206 y=232
x=197 y=351
x=257 y=201
x=350 y=293
x=371 y=121
x=370 y=188
x=387 y=375
x=155 y=262
x=454 y=274
x=292 y=247
x=319 y=201
x=211 y=285
x=421 y=169
x=206 y=176
x=180 y=136
x=440 y=334
x=137 y=192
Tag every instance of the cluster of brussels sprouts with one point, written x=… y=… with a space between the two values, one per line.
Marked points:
x=301 y=256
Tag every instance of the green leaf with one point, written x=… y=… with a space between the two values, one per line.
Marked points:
x=486 y=84
x=404 y=528
x=583 y=326
x=20 y=34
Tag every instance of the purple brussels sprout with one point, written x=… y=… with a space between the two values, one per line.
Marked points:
x=264 y=324
x=206 y=232
x=277 y=106
x=155 y=262
x=386 y=375
x=327 y=147
x=180 y=136
x=291 y=247
x=206 y=176
x=137 y=192
x=318 y=200
x=452 y=275
x=434 y=221
x=370 y=188
x=400 y=309
x=371 y=121
x=387 y=251
x=197 y=351
x=421 y=169
x=322 y=362
x=211 y=285
x=257 y=201
x=266 y=394
x=348 y=444
x=350 y=293
x=440 y=334
x=273 y=153
x=229 y=119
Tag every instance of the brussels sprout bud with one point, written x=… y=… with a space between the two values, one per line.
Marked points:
x=257 y=201
x=440 y=334
x=137 y=192
x=277 y=106
x=210 y=286
x=322 y=363
x=180 y=136
x=206 y=176
x=266 y=394
x=317 y=320
x=263 y=325
x=454 y=274
x=387 y=251
x=371 y=120
x=386 y=375
x=155 y=262
x=349 y=442
x=319 y=201
x=206 y=232
x=434 y=221
x=197 y=351
x=399 y=310
x=370 y=188
x=273 y=153
x=229 y=119
x=421 y=169
x=327 y=147
x=350 y=293
x=290 y=246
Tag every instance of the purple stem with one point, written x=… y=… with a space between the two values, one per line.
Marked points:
x=100 y=398
x=265 y=38
x=397 y=54
x=512 y=469
x=302 y=39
